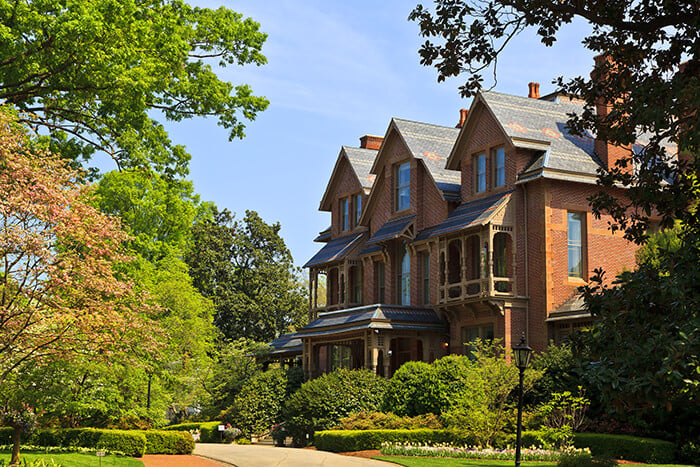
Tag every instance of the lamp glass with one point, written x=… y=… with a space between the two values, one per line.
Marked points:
x=521 y=354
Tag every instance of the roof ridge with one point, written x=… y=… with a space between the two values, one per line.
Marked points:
x=425 y=123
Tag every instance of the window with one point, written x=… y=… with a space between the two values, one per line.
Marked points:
x=379 y=281
x=480 y=170
x=575 y=237
x=358 y=209
x=425 y=270
x=499 y=162
x=344 y=214
x=403 y=186
x=404 y=277
x=355 y=285
x=471 y=334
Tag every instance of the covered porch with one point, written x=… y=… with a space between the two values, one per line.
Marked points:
x=379 y=338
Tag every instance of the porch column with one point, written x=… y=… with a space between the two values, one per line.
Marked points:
x=489 y=259
x=374 y=356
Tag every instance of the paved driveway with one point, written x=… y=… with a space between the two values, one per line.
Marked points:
x=269 y=456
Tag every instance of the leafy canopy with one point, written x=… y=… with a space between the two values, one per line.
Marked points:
x=96 y=75
x=247 y=270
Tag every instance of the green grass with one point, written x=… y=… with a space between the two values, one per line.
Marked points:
x=74 y=459
x=447 y=462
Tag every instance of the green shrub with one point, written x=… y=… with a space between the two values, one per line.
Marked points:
x=387 y=421
x=630 y=448
x=413 y=390
x=689 y=452
x=208 y=431
x=259 y=403
x=168 y=442
x=582 y=458
x=346 y=440
x=131 y=443
x=320 y=403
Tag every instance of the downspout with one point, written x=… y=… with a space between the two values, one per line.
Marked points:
x=527 y=268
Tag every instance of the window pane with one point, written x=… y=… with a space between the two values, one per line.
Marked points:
x=575 y=243
x=500 y=166
x=358 y=208
x=345 y=212
x=403 y=186
x=405 y=278
x=480 y=172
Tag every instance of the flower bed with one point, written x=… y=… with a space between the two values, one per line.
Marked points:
x=406 y=449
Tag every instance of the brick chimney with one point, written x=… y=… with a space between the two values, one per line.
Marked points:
x=609 y=154
x=371 y=142
x=534 y=91
x=462 y=117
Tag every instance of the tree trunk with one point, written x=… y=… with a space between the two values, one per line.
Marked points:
x=16 y=439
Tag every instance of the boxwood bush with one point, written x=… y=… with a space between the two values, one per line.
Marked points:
x=320 y=403
x=631 y=448
x=208 y=431
x=259 y=403
x=168 y=442
x=134 y=443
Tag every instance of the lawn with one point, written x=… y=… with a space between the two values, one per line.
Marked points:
x=74 y=459
x=447 y=462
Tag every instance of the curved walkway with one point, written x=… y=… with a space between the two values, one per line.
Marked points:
x=269 y=456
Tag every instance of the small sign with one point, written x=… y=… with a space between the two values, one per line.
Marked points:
x=100 y=453
x=222 y=427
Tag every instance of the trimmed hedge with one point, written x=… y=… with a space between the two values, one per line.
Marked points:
x=361 y=440
x=208 y=431
x=133 y=443
x=631 y=448
x=168 y=442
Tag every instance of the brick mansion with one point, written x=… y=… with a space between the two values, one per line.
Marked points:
x=442 y=235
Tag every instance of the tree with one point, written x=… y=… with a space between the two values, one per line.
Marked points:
x=60 y=293
x=246 y=269
x=95 y=74
x=157 y=213
x=649 y=104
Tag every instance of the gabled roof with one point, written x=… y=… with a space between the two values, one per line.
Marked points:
x=468 y=214
x=373 y=317
x=360 y=160
x=335 y=249
x=534 y=124
x=430 y=144
x=391 y=229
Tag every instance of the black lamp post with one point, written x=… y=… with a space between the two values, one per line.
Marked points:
x=521 y=358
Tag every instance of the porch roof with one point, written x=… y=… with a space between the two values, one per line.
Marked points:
x=373 y=317
x=391 y=229
x=286 y=344
x=334 y=249
x=467 y=214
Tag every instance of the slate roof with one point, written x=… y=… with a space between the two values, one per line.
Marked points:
x=391 y=229
x=334 y=250
x=323 y=236
x=373 y=317
x=287 y=343
x=545 y=122
x=369 y=249
x=573 y=308
x=432 y=144
x=361 y=161
x=468 y=214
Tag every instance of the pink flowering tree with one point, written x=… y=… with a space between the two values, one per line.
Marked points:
x=60 y=290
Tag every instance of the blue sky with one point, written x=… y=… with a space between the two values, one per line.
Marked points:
x=336 y=71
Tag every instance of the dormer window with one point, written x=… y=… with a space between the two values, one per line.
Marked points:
x=480 y=171
x=499 y=162
x=358 y=209
x=345 y=214
x=403 y=186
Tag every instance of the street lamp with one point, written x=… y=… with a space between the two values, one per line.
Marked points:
x=521 y=358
